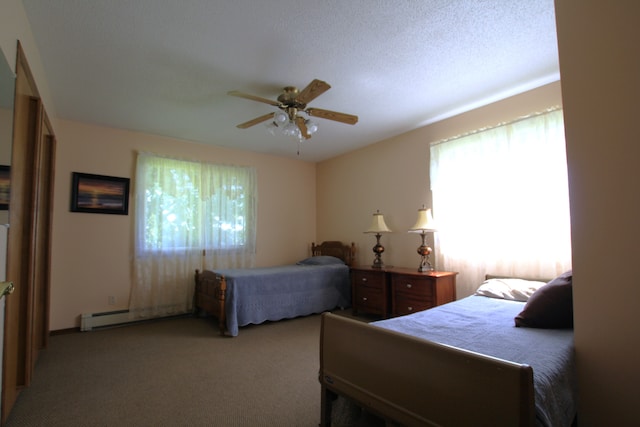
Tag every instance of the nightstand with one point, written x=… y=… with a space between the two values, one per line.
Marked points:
x=412 y=291
x=370 y=290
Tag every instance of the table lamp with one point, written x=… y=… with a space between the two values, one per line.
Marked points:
x=378 y=226
x=424 y=225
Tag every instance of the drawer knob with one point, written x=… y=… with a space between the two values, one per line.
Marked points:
x=409 y=285
x=364 y=279
x=364 y=298
x=410 y=308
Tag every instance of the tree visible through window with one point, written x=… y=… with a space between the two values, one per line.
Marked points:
x=189 y=215
x=194 y=205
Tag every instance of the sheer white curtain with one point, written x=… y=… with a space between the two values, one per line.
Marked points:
x=189 y=215
x=501 y=201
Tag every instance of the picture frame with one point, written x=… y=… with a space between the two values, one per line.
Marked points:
x=102 y=194
x=5 y=187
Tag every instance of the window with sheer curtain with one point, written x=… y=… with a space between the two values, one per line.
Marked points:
x=501 y=201
x=189 y=215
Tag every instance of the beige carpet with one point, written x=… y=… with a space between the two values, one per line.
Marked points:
x=177 y=372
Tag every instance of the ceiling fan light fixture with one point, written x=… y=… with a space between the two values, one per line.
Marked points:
x=290 y=117
x=312 y=127
x=272 y=128
x=280 y=118
x=290 y=129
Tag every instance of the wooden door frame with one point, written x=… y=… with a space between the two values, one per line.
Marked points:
x=31 y=129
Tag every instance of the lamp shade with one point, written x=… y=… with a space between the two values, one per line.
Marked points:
x=378 y=225
x=425 y=221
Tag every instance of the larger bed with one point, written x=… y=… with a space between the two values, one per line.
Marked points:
x=462 y=363
x=239 y=297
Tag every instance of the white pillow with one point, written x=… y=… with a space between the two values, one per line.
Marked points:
x=511 y=289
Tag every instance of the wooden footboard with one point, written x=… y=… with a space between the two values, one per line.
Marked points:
x=416 y=382
x=210 y=296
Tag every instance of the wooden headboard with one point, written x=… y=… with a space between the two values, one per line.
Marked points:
x=346 y=253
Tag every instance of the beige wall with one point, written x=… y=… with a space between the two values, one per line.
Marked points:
x=600 y=68
x=393 y=176
x=92 y=253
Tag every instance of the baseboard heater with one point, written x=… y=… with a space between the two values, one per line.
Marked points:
x=92 y=321
x=108 y=319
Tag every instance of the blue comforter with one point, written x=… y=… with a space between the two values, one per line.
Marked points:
x=257 y=295
x=486 y=325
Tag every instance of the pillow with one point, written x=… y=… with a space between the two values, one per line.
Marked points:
x=551 y=306
x=511 y=289
x=321 y=260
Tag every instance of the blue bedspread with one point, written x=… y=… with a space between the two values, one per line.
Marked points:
x=486 y=325
x=257 y=295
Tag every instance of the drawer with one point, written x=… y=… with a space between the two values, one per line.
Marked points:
x=407 y=305
x=366 y=297
x=371 y=279
x=421 y=287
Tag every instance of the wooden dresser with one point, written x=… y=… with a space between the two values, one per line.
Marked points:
x=413 y=291
x=370 y=290
x=397 y=291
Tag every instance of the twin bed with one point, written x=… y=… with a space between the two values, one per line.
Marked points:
x=460 y=364
x=239 y=297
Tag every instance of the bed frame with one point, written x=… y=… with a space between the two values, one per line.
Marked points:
x=210 y=291
x=416 y=382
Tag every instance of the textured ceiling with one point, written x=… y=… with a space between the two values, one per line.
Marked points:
x=164 y=66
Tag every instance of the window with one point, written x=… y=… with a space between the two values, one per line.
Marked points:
x=189 y=215
x=501 y=201
x=190 y=205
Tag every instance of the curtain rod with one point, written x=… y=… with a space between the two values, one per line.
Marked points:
x=516 y=120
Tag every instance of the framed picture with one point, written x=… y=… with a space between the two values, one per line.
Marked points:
x=99 y=194
x=5 y=187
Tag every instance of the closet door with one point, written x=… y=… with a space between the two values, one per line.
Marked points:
x=40 y=242
x=28 y=249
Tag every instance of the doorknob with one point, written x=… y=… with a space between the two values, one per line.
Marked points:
x=6 y=288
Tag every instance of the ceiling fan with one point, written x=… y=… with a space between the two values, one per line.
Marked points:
x=292 y=102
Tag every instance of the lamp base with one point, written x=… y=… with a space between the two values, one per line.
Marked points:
x=377 y=262
x=425 y=265
x=424 y=251
x=378 y=249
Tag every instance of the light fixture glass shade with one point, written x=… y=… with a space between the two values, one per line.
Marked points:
x=280 y=118
x=312 y=127
x=290 y=129
x=378 y=225
x=286 y=123
x=425 y=221
x=272 y=127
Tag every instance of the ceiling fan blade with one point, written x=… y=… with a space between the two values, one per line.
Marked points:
x=332 y=115
x=303 y=127
x=312 y=91
x=255 y=121
x=253 y=98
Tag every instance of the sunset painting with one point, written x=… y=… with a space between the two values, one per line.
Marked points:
x=99 y=194
x=5 y=187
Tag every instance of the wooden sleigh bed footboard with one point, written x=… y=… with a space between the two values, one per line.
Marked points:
x=417 y=382
x=210 y=296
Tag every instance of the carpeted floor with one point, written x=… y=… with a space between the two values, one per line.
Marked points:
x=177 y=372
